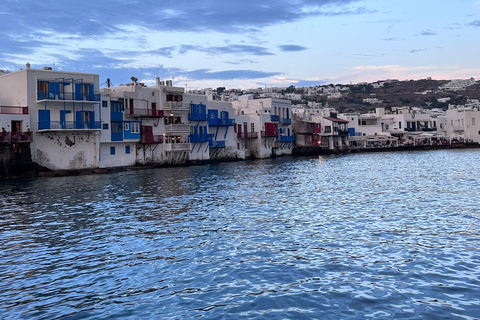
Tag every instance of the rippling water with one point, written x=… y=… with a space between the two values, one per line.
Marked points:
x=378 y=236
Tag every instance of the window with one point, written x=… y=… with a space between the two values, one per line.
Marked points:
x=127 y=149
x=127 y=126
x=473 y=121
x=105 y=126
x=112 y=150
x=252 y=126
x=135 y=127
x=399 y=124
x=104 y=104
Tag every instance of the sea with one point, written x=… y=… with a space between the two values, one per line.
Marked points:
x=392 y=235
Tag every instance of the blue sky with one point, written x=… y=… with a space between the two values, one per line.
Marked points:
x=244 y=44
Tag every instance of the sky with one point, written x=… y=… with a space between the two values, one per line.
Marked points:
x=244 y=44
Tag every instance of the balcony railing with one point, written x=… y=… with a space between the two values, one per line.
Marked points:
x=176 y=147
x=68 y=96
x=221 y=122
x=151 y=139
x=286 y=139
x=201 y=137
x=144 y=112
x=16 y=137
x=269 y=133
x=247 y=135
x=13 y=110
x=274 y=118
x=177 y=128
x=197 y=116
x=176 y=106
x=285 y=121
x=217 y=144
x=458 y=128
x=69 y=125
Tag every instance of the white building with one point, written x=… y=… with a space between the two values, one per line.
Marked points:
x=264 y=126
x=463 y=123
x=64 y=114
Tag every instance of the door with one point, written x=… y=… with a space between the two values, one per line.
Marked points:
x=43 y=119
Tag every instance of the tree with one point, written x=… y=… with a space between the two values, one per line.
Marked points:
x=220 y=90
x=134 y=79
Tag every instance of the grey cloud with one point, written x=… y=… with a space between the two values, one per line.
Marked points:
x=428 y=33
x=291 y=47
x=475 y=24
x=417 y=50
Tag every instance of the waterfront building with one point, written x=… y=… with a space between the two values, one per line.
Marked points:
x=120 y=135
x=272 y=118
x=222 y=127
x=63 y=111
x=463 y=123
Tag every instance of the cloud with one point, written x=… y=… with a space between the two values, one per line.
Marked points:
x=238 y=49
x=391 y=39
x=417 y=50
x=291 y=48
x=475 y=23
x=427 y=33
x=88 y=17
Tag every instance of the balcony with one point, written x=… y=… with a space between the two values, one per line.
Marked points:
x=144 y=112
x=216 y=144
x=176 y=106
x=458 y=128
x=247 y=135
x=69 y=125
x=13 y=110
x=176 y=147
x=285 y=121
x=342 y=133
x=68 y=96
x=286 y=139
x=151 y=139
x=269 y=133
x=201 y=137
x=177 y=129
x=221 y=122
x=16 y=137
x=197 y=116
x=274 y=118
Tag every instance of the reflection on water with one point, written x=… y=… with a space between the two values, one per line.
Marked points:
x=387 y=235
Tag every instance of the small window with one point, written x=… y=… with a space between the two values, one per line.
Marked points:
x=105 y=126
x=135 y=127
x=127 y=149
x=473 y=121
x=127 y=126
x=252 y=125
x=104 y=104
x=112 y=150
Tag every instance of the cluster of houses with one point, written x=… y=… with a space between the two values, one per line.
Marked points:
x=64 y=121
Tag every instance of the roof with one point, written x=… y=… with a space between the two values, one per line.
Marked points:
x=336 y=119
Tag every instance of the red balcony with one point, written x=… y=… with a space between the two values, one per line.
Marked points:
x=149 y=139
x=16 y=137
x=270 y=133
x=247 y=135
x=144 y=112
x=13 y=110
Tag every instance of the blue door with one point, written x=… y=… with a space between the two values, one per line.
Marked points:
x=43 y=119
x=63 y=123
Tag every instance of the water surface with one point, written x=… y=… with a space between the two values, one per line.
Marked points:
x=376 y=236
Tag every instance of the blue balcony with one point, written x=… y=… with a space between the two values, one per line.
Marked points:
x=201 y=137
x=68 y=96
x=217 y=144
x=274 y=118
x=197 y=116
x=221 y=122
x=286 y=121
x=286 y=139
x=69 y=125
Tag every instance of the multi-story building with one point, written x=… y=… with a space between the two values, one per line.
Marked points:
x=272 y=118
x=463 y=123
x=64 y=115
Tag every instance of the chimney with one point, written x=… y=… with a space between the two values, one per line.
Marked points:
x=28 y=65
x=158 y=81
x=108 y=82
